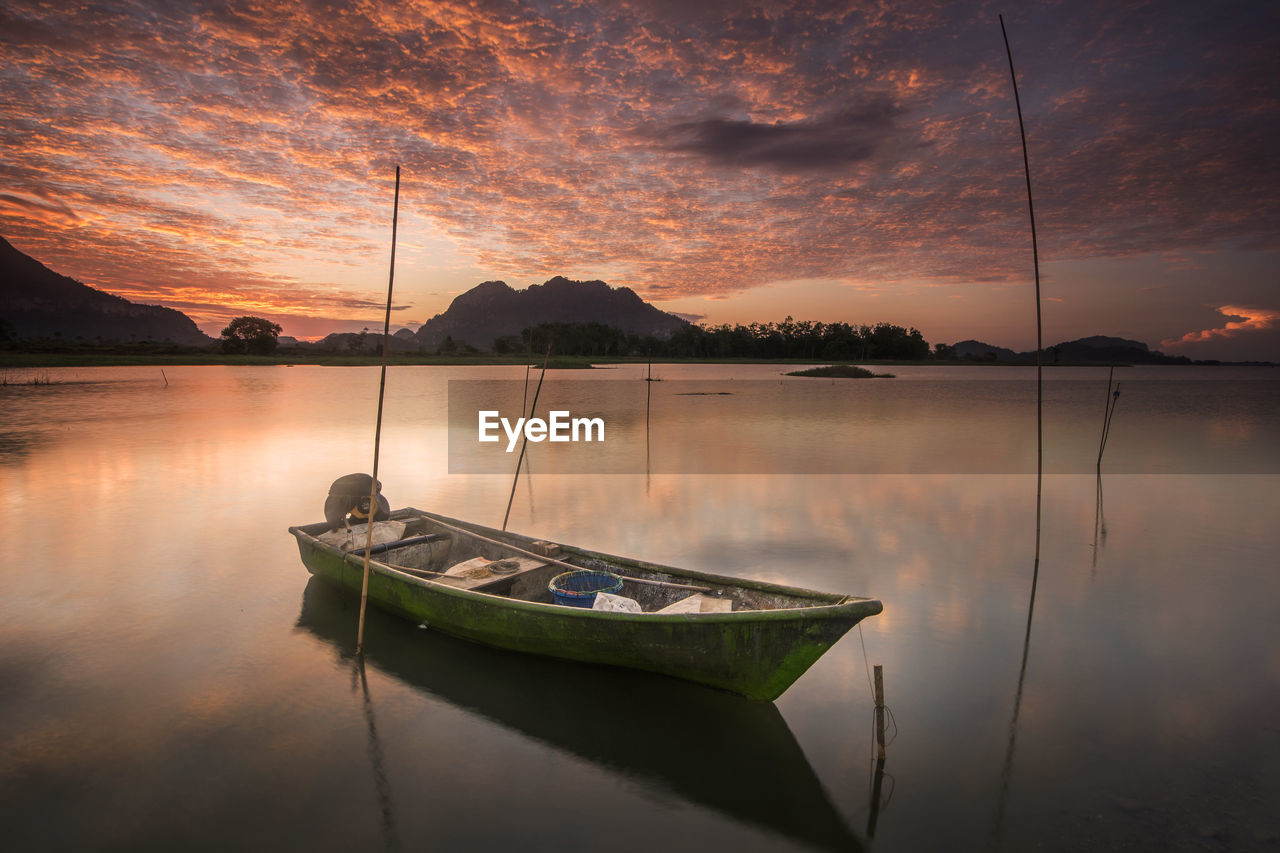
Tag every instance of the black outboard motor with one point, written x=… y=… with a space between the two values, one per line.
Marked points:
x=348 y=502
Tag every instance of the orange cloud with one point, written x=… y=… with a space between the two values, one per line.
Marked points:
x=687 y=149
x=1245 y=320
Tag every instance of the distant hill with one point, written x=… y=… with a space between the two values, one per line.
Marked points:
x=1095 y=349
x=494 y=309
x=367 y=342
x=979 y=351
x=36 y=302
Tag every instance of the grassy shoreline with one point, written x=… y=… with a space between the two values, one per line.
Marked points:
x=13 y=359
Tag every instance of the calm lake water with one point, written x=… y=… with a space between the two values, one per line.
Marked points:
x=171 y=678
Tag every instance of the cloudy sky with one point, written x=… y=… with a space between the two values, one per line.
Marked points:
x=738 y=161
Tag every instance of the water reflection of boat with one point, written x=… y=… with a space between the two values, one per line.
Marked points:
x=715 y=750
x=490 y=586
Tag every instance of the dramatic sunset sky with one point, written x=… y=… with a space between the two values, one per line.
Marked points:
x=737 y=161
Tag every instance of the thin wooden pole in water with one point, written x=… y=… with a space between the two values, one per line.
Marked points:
x=879 y=676
x=878 y=783
x=648 y=398
x=377 y=431
x=997 y=825
x=1109 y=409
x=525 y=443
x=524 y=400
x=1035 y=258
x=1106 y=412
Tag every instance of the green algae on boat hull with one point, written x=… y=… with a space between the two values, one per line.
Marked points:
x=758 y=649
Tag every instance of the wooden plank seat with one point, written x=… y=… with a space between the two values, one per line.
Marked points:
x=699 y=603
x=479 y=571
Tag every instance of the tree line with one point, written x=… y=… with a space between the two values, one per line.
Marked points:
x=789 y=339
x=798 y=339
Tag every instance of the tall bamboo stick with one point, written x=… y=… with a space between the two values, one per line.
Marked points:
x=1007 y=770
x=1035 y=258
x=377 y=432
x=525 y=442
x=1040 y=343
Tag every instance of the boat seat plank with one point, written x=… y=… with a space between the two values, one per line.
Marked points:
x=699 y=603
x=479 y=571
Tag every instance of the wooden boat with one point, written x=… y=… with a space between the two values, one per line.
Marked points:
x=492 y=587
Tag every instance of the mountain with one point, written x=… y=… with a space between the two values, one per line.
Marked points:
x=1098 y=349
x=494 y=309
x=979 y=351
x=1105 y=350
x=367 y=342
x=36 y=302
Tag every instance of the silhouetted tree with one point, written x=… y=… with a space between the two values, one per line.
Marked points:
x=252 y=335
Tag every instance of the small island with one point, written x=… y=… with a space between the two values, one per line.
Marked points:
x=841 y=371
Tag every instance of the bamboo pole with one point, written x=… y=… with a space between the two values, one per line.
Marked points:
x=525 y=442
x=1035 y=257
x=377 y=431
x=878 y=780
x=1006 y=773
x=879 y=676
x=1108 y=409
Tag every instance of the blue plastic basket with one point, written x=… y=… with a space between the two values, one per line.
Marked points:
x=578 y=588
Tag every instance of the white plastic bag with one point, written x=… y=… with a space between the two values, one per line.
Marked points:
x=615 y=603
x=351 y=538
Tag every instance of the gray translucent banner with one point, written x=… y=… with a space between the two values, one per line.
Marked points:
x=860 y=426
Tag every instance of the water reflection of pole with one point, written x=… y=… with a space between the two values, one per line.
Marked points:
x=876 y=787
x=1006 y=772
x=1099 y=524
x=382 y=787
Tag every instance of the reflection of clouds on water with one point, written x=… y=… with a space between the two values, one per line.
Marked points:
x=14 y=446
x=147 y=626
x=1233 y=429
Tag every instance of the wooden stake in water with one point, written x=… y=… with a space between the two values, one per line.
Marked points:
x=998 y=823
x=879 y=676
x=1035 y=258
x=877 y=784
x=525 y=442
x=1109 y=409
x=377 y=431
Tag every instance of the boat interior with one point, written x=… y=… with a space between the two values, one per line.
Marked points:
x=521 y=568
